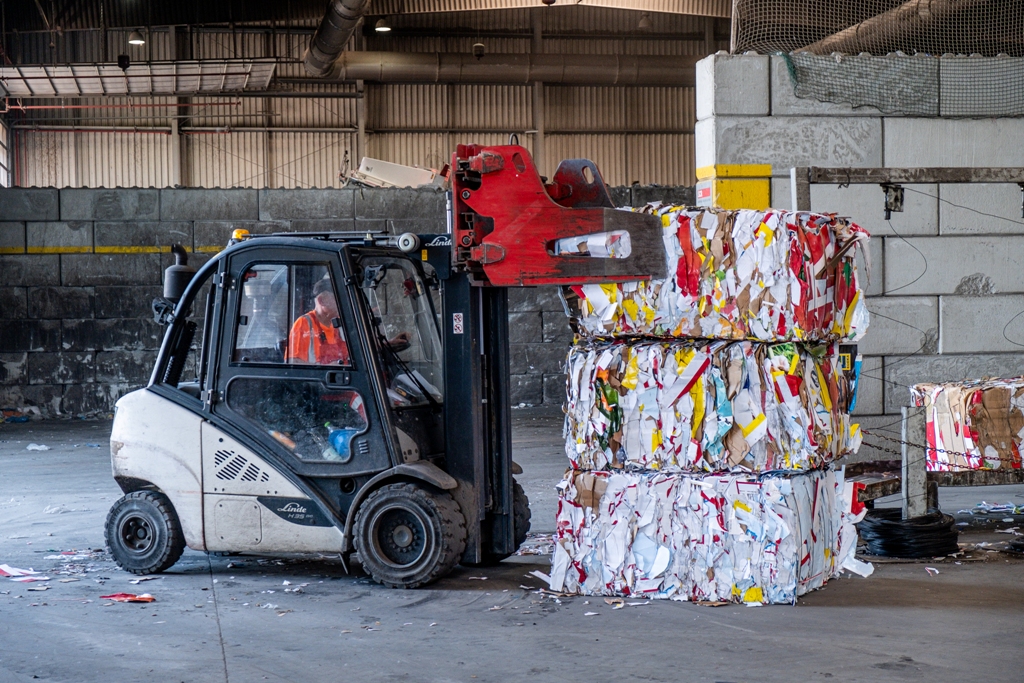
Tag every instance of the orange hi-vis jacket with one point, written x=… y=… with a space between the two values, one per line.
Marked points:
x=313 y=343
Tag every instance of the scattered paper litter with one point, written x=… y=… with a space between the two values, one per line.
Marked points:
x=144 y=578
x=1011 y=530
x=590 y=614
x=128 y=597
x=537 y=574
x=8 y=570
x=38 y=588
x=477 y=578
x=37 y=447
x=932 y=571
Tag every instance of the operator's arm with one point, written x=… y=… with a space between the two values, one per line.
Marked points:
x=298 y=341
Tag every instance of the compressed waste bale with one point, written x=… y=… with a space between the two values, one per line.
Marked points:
x=974 y=424
x=707 y=406
x=760 y=275
x=720 y=537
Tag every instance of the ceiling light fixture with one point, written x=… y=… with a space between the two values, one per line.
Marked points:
x=645 y=22
x=382 y=26
x=135 y=38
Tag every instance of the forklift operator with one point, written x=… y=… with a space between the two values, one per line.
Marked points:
x=314 y=339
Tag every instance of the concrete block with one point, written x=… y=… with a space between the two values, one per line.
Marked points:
x=13 y=303
x=912 y=142
x=554 y=389
x=902 y=325
x=29 y=204
x=124 y=367
x=789 y=141
x=46 y=397
x=982 y=324
x=901 y=375
x=338 y=225
x=528 y=389
x=954 y=265
x=971 y=86
x=111 y=334
x=534 y=299
x=61 y=368
x=963 y=209
x=142 y=236
x=30 y=270
x=83 y=270
x=536 y=359
x=209 y=205
x=12 y=238
x=30 y=335
x=60 y=302
x=870 y=397
x=679 y=195
x=621 y=195
x=62 y=237
x=730 y=85
x=397 y=203
x=92 y=399
x=556 y=328
x=212 y=236
x=785 y=101
x=524 y=328
x=109 y=205
x=125 y=302
x=864 y=204
x=196 y=260
x=13 y=368
x=287 y=204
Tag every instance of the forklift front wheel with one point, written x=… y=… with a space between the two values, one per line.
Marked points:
x=407 y=536
x=143 y=533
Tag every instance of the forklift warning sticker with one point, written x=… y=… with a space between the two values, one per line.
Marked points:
x=294 y=510
x=457 y=323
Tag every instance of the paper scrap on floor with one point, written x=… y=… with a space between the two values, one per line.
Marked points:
x=761 y=275
x=721 y=537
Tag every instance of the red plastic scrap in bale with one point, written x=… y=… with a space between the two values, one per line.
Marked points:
x=128 y=597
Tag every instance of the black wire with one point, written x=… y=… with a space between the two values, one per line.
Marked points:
x=887 y=534
x=923 y=257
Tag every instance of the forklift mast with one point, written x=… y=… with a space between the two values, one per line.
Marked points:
x=504 y=226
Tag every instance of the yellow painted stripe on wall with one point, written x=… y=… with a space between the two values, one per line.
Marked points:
x=734 y=171
x=100 y=250
x=133 y=250
x=12 y=250
x=59 y=250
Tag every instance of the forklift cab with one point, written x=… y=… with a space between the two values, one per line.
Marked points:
x=316 y=421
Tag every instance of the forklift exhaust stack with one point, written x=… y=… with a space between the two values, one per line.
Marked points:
x=177 y=277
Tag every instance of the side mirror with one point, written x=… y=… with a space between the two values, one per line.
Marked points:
x=177 y=277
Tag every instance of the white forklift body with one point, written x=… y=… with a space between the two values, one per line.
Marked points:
x=226 y=497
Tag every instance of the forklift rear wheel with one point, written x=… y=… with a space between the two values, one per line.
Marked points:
x=143 y=533
x=407 y=536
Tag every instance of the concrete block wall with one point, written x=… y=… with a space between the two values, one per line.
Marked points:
x=945 y=292
x=80 y=267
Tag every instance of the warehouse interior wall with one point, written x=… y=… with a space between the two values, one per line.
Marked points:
x=79 y=269
x=944 y=291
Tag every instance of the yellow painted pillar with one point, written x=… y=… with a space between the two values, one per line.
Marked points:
x=735 y=186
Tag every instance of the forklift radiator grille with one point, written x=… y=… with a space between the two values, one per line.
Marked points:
x=231 y=466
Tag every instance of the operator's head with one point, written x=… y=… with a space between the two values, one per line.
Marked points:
x=326 y=305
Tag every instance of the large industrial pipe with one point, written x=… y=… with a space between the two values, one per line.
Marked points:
x=334 y=30
x=565 y=69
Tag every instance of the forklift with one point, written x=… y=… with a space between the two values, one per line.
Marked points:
x=351 y=390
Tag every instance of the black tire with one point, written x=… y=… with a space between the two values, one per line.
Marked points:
x=520 y=522
x=143 y=533
x=408 y=536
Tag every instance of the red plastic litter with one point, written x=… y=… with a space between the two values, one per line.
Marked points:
x=128 y=597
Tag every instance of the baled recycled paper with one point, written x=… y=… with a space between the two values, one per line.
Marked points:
x=707 y=406
x=974 y=424
x=759 y=275
x=721 y=537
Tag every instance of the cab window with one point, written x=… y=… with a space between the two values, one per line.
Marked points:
x=289 y=314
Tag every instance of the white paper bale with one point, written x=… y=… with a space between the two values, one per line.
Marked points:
x=714 y=537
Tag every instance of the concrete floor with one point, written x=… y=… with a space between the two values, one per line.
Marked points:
x=229 y=618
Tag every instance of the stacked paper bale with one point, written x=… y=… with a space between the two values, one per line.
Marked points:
x=703 y=412
x=972 y=425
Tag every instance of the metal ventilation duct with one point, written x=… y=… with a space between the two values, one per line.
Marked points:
x=565 y=69
x=335 y=29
